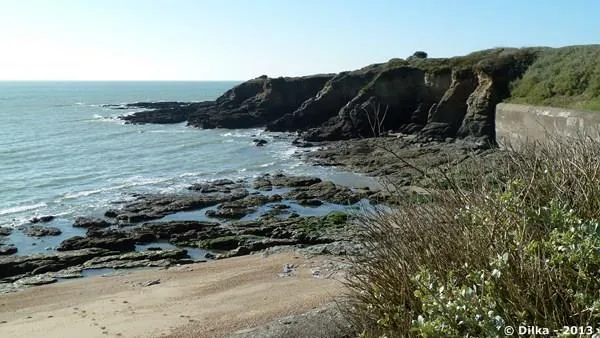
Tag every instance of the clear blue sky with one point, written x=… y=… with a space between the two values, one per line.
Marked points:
x=240 y=39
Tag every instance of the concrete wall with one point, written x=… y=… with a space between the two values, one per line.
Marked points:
x=516 y=123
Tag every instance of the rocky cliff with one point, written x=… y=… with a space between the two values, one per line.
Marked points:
x=435 y=98
x=258 y=102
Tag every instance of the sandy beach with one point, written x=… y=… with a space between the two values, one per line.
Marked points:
x=200 y=300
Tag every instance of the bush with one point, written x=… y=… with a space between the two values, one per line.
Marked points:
x=517 y=244
x=564 y=77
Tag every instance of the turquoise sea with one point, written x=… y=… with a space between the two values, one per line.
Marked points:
x=62 y=153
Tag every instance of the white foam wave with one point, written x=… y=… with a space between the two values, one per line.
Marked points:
x=132 y=182
x=21 y=208
x=265 y=165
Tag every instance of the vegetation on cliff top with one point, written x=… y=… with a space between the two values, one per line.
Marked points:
x=566 y=77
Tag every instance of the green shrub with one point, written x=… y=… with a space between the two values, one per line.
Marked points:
x=564 y=77
x=518 y=244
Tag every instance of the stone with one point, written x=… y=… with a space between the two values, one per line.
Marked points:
x=5 y=231
x=113 y=240
x=7 y=250
x=41 y=219
x=40 y=231
x=259 y=142
x=36 y=280
x=86 y=222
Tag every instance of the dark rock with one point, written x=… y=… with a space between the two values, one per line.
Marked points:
x=41 y=219
x=40 y=231
x=310 y=202
x=18 y=265
x=111 y=240
x=446 y=117
x=176 y=232
x=267 y=182
x=136 y=259
x=229 y=213
x=224 y=186
x=148 y=207
x=7 y=250
x=258 y=102
x=163 y=112
x=220 y=243
x=386 y=103
x=37 y=280
x=259 y=142
x=86 y=222
x=111 y=213
x=302 y=144
x=144 y=237
x=5 y=231
x=325 y=191
x=494 y=76
x=334 y=95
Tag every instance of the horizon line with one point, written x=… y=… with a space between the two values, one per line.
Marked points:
x=121 y=80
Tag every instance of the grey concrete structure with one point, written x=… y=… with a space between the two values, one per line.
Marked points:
x=516 y=123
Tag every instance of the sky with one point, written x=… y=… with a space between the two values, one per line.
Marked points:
x=242 y=39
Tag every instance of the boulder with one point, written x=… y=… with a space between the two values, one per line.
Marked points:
x=259 y=142
x=41 y=219
x=40 y=231
x=5 y=231
x=7 y=250
x=86 y=222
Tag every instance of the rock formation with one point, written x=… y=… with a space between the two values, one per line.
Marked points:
x=436 y=98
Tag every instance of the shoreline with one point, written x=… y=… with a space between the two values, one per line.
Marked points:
x=199 y=300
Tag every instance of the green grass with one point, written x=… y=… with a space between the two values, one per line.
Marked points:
x=567 y=77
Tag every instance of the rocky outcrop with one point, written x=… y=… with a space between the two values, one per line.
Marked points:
x=162 y=112
x=110 y=240
x=5 y=231
x=148 y=207
x=494 y=76
x=40 y=231
x=7 y=250
x=86 y=222
x=257 y=102
x=445 y=117
x=327 y=103
x=386 y=103
x=19 y=265
x=437 y=98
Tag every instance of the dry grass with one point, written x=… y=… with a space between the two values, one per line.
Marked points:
x=510 y=242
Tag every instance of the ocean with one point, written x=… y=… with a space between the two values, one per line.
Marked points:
x=62 y=153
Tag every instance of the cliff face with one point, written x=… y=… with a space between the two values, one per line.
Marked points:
x=436 y=98
x=257 y=102
x=327 y=103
